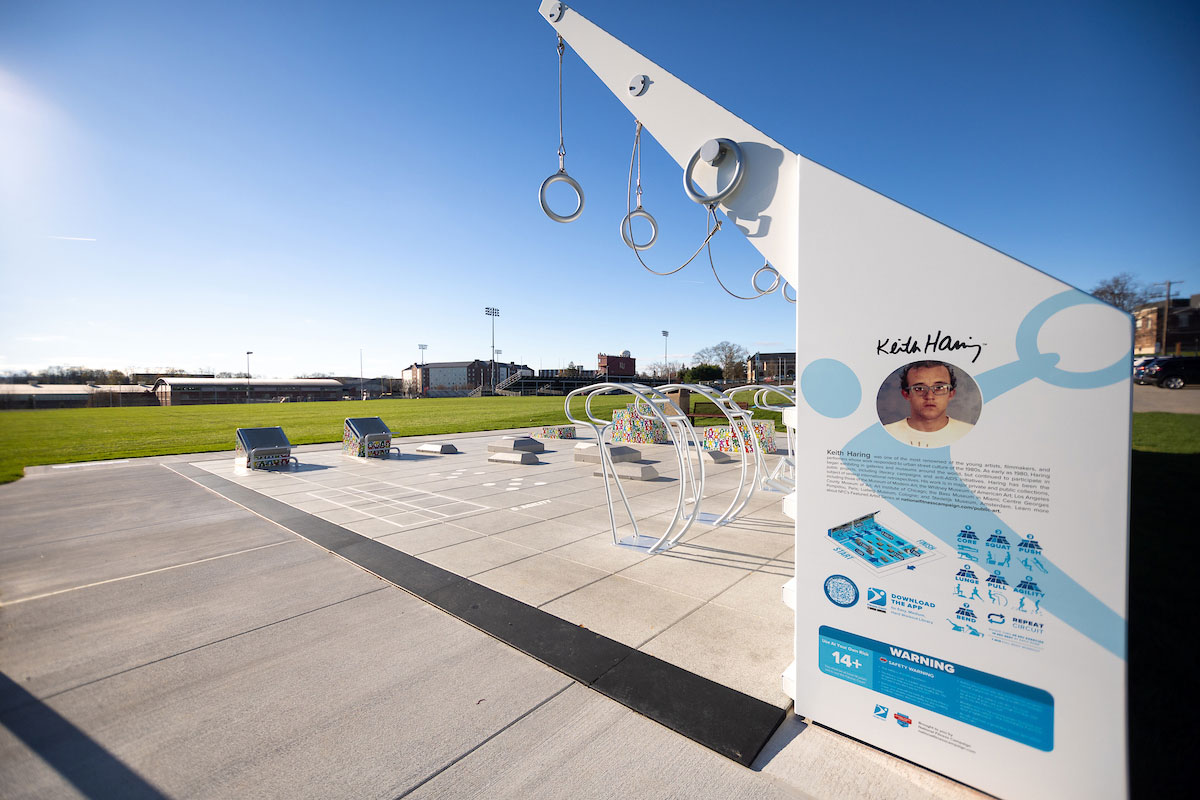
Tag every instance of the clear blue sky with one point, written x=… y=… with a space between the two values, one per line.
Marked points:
x=180 y=183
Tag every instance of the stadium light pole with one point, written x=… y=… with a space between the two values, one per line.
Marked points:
x=248 y=354
x=493 y=313
x=421 y=372
x=666 y=365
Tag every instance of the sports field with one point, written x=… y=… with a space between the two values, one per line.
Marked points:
x=58 y=436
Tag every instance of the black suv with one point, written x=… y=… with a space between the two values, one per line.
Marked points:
x=1173 y=372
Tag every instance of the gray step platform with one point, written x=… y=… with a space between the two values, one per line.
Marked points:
x=516 y=444
x=514 y=458
x=437 y=447
x=632 y=471
x=589 y=453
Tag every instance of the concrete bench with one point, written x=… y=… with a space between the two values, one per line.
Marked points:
x=440 y=448
x=703 y=408
x=516 y=444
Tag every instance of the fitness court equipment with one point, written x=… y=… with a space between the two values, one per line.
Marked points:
x=367 y=437
x=561 y=176
x=783 y=477
x=654 y=404
x=263 y=448
x=735 y=415
x=721 y=153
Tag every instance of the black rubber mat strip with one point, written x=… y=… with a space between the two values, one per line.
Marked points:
x=722 y=719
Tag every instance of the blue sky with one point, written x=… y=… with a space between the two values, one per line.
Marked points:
x=180 y=183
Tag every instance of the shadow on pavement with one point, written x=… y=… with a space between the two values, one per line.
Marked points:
x=92 y=770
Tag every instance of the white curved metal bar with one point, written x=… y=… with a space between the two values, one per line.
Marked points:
x=732 y=414
x=782 y=478
x=599 y=426
x=642 y=399
x=653 y=403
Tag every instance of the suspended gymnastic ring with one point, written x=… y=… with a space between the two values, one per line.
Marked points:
x=563 y=177
x=627 y=224
x=724 y=146
x=774 y=285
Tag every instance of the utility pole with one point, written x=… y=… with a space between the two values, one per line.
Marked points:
x=1166 y=312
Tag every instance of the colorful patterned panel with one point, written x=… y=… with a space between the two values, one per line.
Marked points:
x=634 y=429
x=722 y=438
x=557 y=432
x=268 y=462
x=353 y=445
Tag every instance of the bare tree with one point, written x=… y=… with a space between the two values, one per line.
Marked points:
x=1123 y=291
x=661 y=369
x=729 y=356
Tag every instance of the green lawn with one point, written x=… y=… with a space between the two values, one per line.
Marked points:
x=28 y=438
x=57 y=436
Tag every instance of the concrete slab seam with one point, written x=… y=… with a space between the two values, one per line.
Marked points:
x=479 y=744
x=185 y=651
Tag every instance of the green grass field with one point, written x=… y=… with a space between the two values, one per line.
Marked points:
x=58 y=436
x=29 y=438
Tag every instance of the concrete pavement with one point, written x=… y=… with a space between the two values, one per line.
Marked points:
x=157 y=640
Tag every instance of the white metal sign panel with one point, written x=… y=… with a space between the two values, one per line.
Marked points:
x=963 y=474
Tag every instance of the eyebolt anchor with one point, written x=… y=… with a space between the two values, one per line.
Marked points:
x=714 y=152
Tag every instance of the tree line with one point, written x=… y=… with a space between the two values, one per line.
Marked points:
x=81 y=375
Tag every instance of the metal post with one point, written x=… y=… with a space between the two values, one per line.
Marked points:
x=248 y=354
x=362 y=394
x=421 y=371
x=493 y=313
x=666 y=366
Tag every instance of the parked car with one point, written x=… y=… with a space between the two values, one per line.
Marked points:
x=1140 y=364
x=1139 y=370
x=1173 y=372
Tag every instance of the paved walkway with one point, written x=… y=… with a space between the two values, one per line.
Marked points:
x=1172 y=401
x=161 y=640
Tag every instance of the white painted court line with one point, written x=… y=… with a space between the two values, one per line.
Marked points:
x=88 y=464
x=138 y=575
x=421 y=514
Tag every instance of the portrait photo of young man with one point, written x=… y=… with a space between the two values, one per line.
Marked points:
x=925 y=397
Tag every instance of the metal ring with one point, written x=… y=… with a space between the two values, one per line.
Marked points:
x=561 y=176
x=773 y=286
x=726 y=145
x=627 y=224
x=783 y=292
